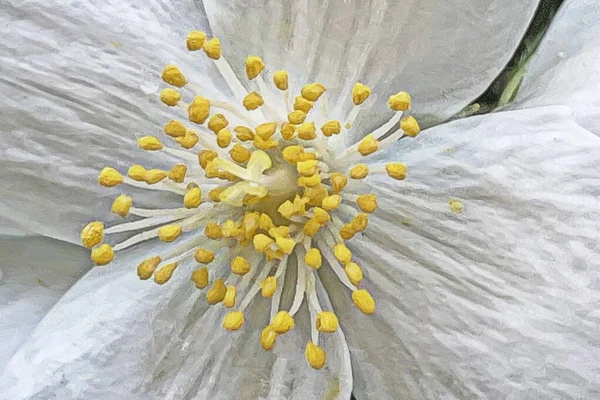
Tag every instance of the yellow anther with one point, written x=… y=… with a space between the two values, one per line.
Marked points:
x=224 y=138
x=170 y=97
x=367 y=203
x=353 y=272
x=268 y=286
x=312 y=258
x=205 y=156
x=233 y=320
x=315 y=356
x=198 y=110
x=301 y=104
x=285 y=244
x=282 y=322
x=109 y=177
x=175 y=129
x=342 y=253
x=215 y=194
x=239 y=153
x=230 y=297
x=368 y=145
x=137 y=173
x=410 y=126
x=265 y=223
x=213 y=231
x=296 y=117
x=121 y=205
x=326 y=321
x=315 y=195
x=195 y=40
x=169 y=233
x=287 y=131
x=147 y=267
x=309 y=181
x=200 y=277
x=266 y=130
x=360 y=222
x=312 y=91
x=243 y=133
x=262 y=144
x=300 y=204
x=212 y=48
x=252 y=101
x=102 y=254
x=173 y=76
x=262 y=242
x=239 y=266
x=229 y=229
x=217 y=122
x=92 y=234
x=359 y=171
x=280 y=79
x=360 y=93
x=455 y=205
x=164 y=273
x=311 y=227
x=292 y=154
x=188 y=141
x=338 y=182
x=399 y=101
x=331 y=202
x=287 y=209
x=279 y=231
x=307 y=131
x=268 y=337
x=308 y=156
x=216 y=293
x=331 y=128
x=177 y=173
x=363 y=301
x=396 y=170
x=254 y=66
x=347 y=232
x=307 y=168
x=204 y=256
x=153 y=176
x=321 y=215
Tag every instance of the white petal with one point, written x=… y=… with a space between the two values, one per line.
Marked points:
x=34 y=273
x=113 y=335
x=79 y=85
x=565 y=69
x=500 y=300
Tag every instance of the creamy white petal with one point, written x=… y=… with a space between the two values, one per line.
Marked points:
x=34 y=273
x=500 y=300
x=565 y=69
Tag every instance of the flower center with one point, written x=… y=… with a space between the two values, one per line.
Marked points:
x=259 y=180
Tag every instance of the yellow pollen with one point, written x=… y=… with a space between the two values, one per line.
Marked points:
x=410 y=126
x=455 y=205
x=353 y=272
x=173 y=76
x=268 y=337
x=367 y=203
x=170 y=97
x=217 y=122
x=280 y=79
x=216 y=293
x=347 y=232
x=396 y=170
x=342 y=253
x=109 y=177
x=331 y=202
x=243 y=133
x=147 y=267
x=359 y=222
x=296 y=117
x=307 y=131
x=363 y=301
x=326 y=321
x=239 y=153
x=368 y=145
x=121 y=205
x=175 y=129
x=315 y=356
x=287 y=131
x=311 y=227
x=188 y=141
x=282 y=322
x=212 y=48
x=307 y=168
x=198 y=110
x=261 y=242
x=200 y=277
x=360 y=93
x=312 y=91
x=195 y=40
x=230 y=296
x=239 y=266
x=268 y=286
x=399 y=101
x=252 y=101
x=233 y=320
x=205 y=156
x=331 y=128
x=92 y=234
x=213 y=231
x=266 y=130
x=224 y=138
x=204 y=256
x=321 y=215
x=164 y=273
x=338 y=182
x=177 y=173
x=102 y=254
x=301 y=104
x=312 y=258
x=192 y=198
x=153 y=176
x=137 y=173
x=359 y=171
x=254 y=66
x=169 y=233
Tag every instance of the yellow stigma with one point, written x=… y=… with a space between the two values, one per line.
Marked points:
x=109 y=177
x=268 y=286
x=326 y=321
x=230 y=296
x=312 y=91
x=268 y=337
x=353 y=272
x=399 y=101
x=331 y=128
x=282 y=322
x=239 y=266
x=307 y=131
x=301 y=104
x=92 y=234
x=359 y=171
x=223 y=138
x=410 y=126
x=169 y=233
x=331 y=202
x=396 y=170
x=177 y=173
x=195 y=40
x=368 y=145
x=233 y=320
x=254 y=66
x=173 y=76
x=360 y=93
x=312 y=258
x=280 y=79
x=147 y=267
x=198 y=110
x=149 y=143
x=175 y=129
x=367 y=203
x=287 y=131
x=216 y=293
x=121 y=205
x=170 y=97
x=164 y=273
x=252 y=101
x=204 y=256
x=137 y=173
x=217 y=122
x=153 y=176
x=296 y=117
x=342 y=253
x=200 y=277
x=363 y=301
x=315 y=356
x=338 y=182
x=212 y=48
x=102 y=254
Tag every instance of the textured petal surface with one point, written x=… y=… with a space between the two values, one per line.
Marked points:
x=566 y=67
x=500 y=300
x=34 y=273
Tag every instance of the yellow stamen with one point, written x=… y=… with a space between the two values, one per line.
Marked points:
x=169 y=233
x=312 y=91
x=342 y=253
x=198 y=110
x=331 y=128
x=217 y=122
x=326 y=321
x=359 y=222
x=262 y=242
x=137 y=173
x=224 y=138
x=212 y=48
x=353 y=272
x=239 y=266
x=315 y=356
x=216 y=293
x=296 y=117
x=153 y=176
x=233 y=320
x=92 y=234
x=363 y=301
x=173 y=76
x=347 y=232
x=308 y=181
x=396 y=170
x=266 y=130
x=292 y=154
x=175 y=129
x=410 y=126
x=213 y=231
x=195 y=40
x=147 y=267
x=192 y=198
x=109 y=177
x=360 y=93
x=230 y=297
x=307 y=168
x=121 y=205
x=338 y=182
x=102 y=254
x=204 y=256
x=254 y=66
x=177 y=173
x=239 y=153
x=316 y=195
x=164 y=273
x=311 y=227
x=359 y=171
x=368 y=145
x=206 y=156
x=268 y=337
x=367 y=203
x=268 y=286
x=243 y=133
x=170 y=97
x=287 y=131
x=188 y=141
x=312 y=258
x=285 y=244
x=265 y=223
x=321 y=215
x=252 y=101
x=215 y=194
x=301 y=104
x=280 y=79
x=200 y=277
x=331 y=202
x=282 y=322
x=307 y=131
x=262 y=144
x=399 y=101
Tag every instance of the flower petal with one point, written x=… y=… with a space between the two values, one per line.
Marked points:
x=34 y=273
x=500 y=299
x=565 y=69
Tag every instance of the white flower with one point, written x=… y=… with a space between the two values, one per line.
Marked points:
x=482 y=263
